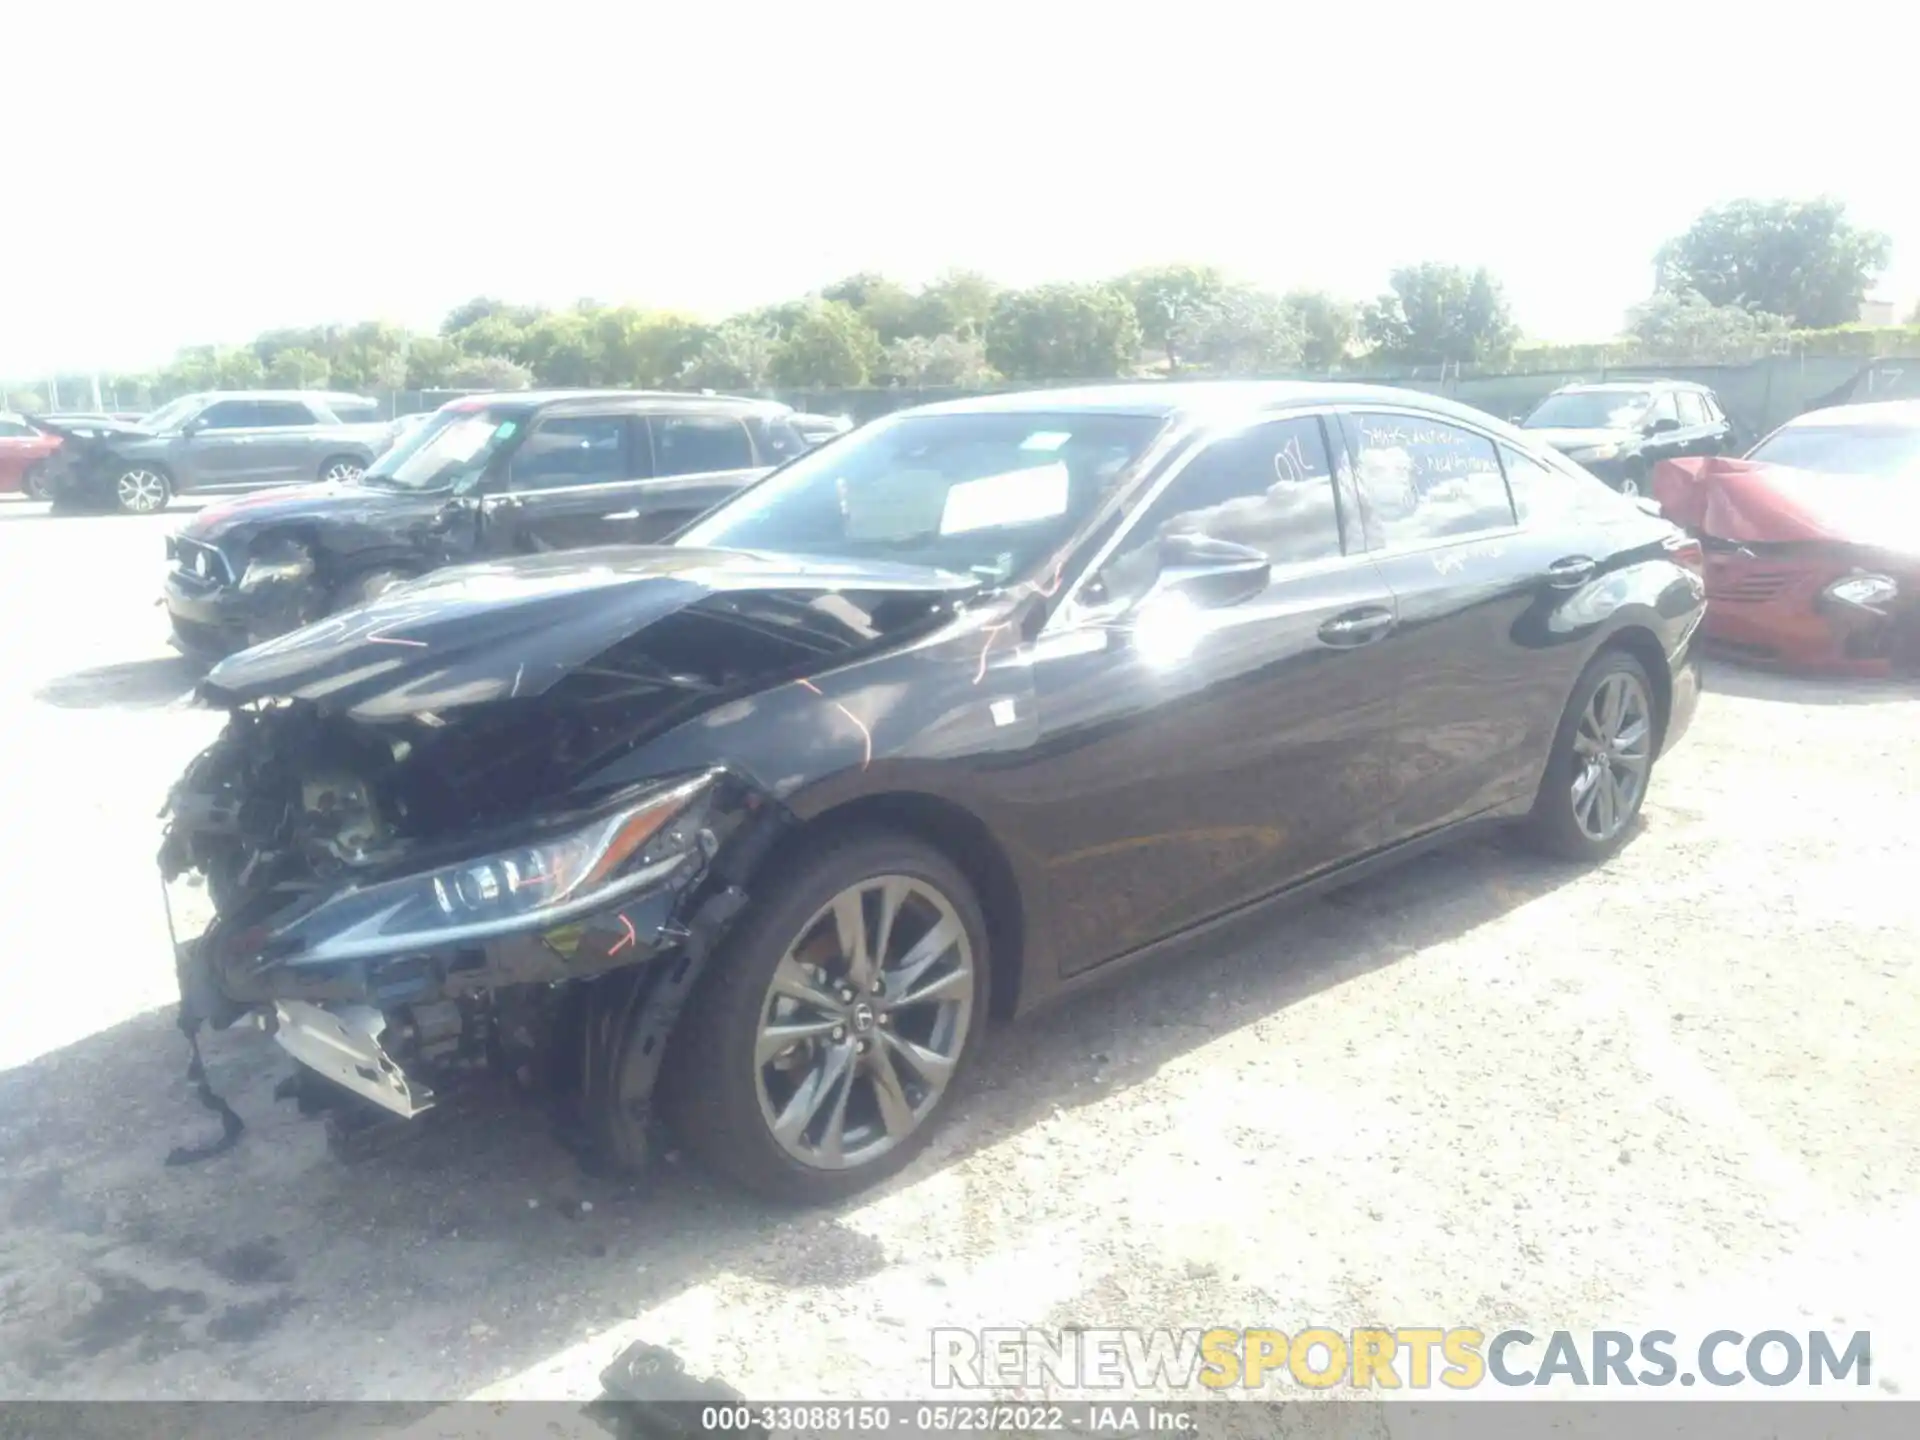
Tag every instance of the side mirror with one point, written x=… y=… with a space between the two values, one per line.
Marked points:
x=1211 y=573
x=1516 y=419
x=194 y=426
x=1663 y=425
x=1649 y=505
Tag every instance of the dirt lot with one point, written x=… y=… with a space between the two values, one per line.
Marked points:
x=1678 y=1092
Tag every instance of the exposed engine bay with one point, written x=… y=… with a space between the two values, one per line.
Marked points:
x=433 y=841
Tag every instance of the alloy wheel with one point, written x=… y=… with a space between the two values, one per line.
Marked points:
x=1630 y=485
x=141 y=492
x=864 y=1021
x=342 y=471
x=1612 y=752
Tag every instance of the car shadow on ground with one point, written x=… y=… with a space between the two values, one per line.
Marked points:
x=129 y=685
x=1744 y=681
x=473 y=1245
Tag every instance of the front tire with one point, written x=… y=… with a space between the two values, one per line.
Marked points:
x=34 y=483
x=1602 y=761
x=342 y=469
x=820 y=1050
x=141 y=490
x=1633 y=479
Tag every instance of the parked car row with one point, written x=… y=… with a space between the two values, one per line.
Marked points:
x=484 y=477
x=219 y=441
x=937 y=721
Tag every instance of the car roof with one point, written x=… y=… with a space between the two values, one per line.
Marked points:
x=1634 y=385
x=1194 y=399
x=327 y=395
x=686 y=400
x=1903 y=414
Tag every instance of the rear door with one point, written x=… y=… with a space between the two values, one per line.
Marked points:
x=698 y=462
x=1471 y=587
x=568 y=485
x=1184 y=768
x=285 y=442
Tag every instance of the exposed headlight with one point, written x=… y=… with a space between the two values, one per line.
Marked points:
x=549 y=879
x=1864 y=590
x=276 y=563
x=1595 y=452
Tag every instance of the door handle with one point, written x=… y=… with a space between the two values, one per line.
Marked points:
x=1357 y=627
x=1573 y=571
x=622 y=515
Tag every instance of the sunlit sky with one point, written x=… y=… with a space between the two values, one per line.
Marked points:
x=195 y=173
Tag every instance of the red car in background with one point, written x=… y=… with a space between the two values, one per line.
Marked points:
x=1812 y=539
x=22 y=449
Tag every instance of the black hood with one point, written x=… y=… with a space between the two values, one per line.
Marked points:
x=475 y=634
x=84 y=430
x=324 y=503
x=1561 y=438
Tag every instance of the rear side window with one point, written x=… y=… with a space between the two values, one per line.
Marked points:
x=281 y=412
x=570 y=450
x=13 y=429
x=780 y=442
x=1663 y=408
x=699 y=444
x=355 y=412
x=1425 y=479
x=1546 y=495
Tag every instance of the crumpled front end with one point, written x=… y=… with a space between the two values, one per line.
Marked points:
x=1801 y=571
x=404 y=905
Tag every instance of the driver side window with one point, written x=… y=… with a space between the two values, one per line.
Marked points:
x=1663 y=408
x=1269 y=487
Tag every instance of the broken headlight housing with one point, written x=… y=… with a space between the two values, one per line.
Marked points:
x=567 y=869
x=1865 y=590
x=273 y=563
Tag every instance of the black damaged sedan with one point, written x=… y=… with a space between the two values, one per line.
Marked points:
x=754 y=831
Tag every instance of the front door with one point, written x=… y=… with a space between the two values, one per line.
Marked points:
x=566 y=486
x=1193 y=760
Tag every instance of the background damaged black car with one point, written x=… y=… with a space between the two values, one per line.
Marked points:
x=486 y=476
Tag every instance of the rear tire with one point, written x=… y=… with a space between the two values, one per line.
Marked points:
x=1633 y=480
x=870 y=1066
x=141 y=490
x=34 y=483
x=338 y=469
x=1601 y=763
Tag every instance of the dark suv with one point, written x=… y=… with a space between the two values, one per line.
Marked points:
x=488 y=475
x=1621 y=429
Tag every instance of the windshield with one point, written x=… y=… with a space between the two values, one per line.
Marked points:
x=1588 y=410
x=989 y=495
x=1878 y=450
x=448 y=452
x=172 y=415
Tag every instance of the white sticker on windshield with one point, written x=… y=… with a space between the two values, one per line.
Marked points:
x=1015 y=498
x=1045 y=440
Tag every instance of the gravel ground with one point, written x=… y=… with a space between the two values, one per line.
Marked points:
x=1678 y=1092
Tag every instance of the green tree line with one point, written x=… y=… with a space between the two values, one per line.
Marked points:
x=1741 y=279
